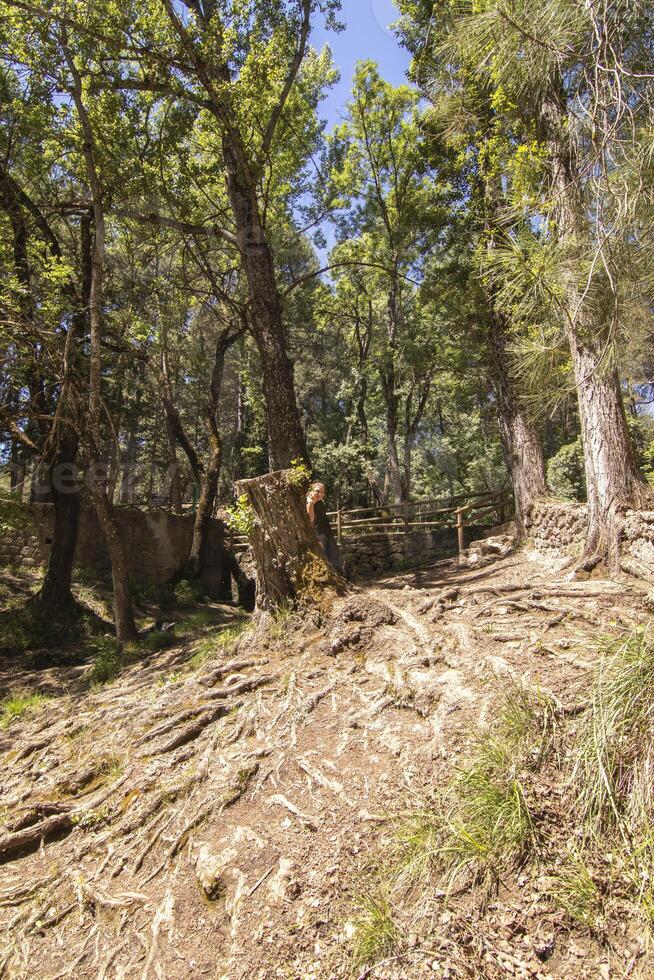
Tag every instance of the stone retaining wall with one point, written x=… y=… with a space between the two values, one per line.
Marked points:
x=157 y=543
x=369 y=555
x=638 y=551
x=560 y=528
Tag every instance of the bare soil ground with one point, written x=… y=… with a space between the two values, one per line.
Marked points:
x=216 y=820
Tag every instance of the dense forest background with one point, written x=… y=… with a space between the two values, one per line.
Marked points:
x=172 y=319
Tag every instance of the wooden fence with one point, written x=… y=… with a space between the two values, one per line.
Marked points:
x=416 y=515
x=423 y=515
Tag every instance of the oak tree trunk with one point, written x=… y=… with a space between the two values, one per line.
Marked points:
x=291 y=565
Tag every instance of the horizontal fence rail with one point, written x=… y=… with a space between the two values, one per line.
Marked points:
x=458 y=512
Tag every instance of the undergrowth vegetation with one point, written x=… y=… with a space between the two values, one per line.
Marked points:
x=18 y=704
x=216 y=644
x=564 y=800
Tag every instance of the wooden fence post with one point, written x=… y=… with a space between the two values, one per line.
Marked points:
x=501 y=509
x=339 y=526
x=460 y=530
x=407 y=516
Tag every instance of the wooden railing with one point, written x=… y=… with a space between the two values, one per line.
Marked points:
x=442 y=512
x=416 y=515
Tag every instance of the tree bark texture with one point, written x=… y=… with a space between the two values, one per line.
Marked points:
x=286 y=441
x=614 y=483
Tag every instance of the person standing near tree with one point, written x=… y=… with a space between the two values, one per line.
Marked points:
x=314 y=496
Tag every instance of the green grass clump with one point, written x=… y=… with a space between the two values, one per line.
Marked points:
x=19 y=704
x=195 y=622
x=613 y=766
x=159 y=594
x=281 y=621
x=483 y=821
x=109 y=661
x=416 y=844
x=576 y=892
x=489 y=823
x=189 y=593
x=157 y=640
x=376 y=934
x=216 y=645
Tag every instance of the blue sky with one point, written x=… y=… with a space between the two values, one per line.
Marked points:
x=366 y=36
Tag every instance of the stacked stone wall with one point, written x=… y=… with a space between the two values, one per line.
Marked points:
x=157 y=543
x=366 y=556
x=558 y=528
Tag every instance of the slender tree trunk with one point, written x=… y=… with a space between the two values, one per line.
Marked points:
x=124 y=615
x=521 y=445
x=55 y=595
x=126 y=492
x=123 y=612
x=614 y=482
x=17 y=472
x=173 y=470
x=393 y=473
x=197 y=564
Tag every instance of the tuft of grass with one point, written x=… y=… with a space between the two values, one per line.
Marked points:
x=376 y=934
x=576 y=893
x=613 y=770
x=189 y=593
x=216 y=645
x=281 y=621
x=19 y=704
x=640 y=870
x=197 y=621
x=489 y=824
x=157 y=640
x=161 y=594
x=109 y=661
x=416 y=845
x=482 y=822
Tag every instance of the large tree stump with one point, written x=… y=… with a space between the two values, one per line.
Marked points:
x=290 y=563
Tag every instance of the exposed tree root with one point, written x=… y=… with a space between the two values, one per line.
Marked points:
x=32 y=836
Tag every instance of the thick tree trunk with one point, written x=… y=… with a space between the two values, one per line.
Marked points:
x=291 y=565
x=286 y=440
x=613 y=480
x=521 y=445
x=55 y=595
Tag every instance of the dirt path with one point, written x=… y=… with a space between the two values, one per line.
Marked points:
x=214 y=822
